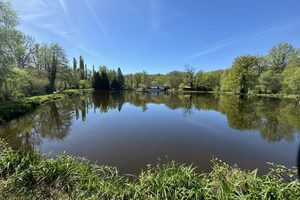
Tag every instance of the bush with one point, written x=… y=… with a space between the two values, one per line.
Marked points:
x=84 y=84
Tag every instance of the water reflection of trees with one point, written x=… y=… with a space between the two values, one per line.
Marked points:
x=275 y=119
x=51 y=121
x=105 y=101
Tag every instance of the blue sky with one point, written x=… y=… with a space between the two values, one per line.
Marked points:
x=161 y=35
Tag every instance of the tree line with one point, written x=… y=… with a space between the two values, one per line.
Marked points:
x=29 y=68
x=106 y=79
x=276 y=72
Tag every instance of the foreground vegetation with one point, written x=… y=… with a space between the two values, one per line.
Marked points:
x=19 y=107
x=30 y=175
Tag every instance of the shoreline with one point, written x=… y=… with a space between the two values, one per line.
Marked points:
x=280 y=96
x=13 y=109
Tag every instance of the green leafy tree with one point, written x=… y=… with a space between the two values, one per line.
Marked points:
x=208 y=81
x=199 y=81
x=269 y=82
x=242 y=77
x=86 y=73
x=112 y=74
x=291 y=75
x=213 y=80
x=229 y=81
x=279 y=56
x=129 y=81
x=175 y=78
x=23 y=49
x=68 y=78
x=52 y=60
x=145 y=80
x=8 y=22
x=159 y=80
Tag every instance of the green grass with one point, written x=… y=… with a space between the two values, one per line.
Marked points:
x=17 y=108
x=77 y=91
x=30 y=175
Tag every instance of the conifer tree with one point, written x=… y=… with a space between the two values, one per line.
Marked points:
x=115 y=84
x=74 y=64
x=96 y=81
x=120 y=79
x=85 y=72
x=81 y=68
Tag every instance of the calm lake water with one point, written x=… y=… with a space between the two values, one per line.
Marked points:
x=130 y=130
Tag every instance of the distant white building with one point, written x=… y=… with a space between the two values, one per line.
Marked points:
x=157 y=88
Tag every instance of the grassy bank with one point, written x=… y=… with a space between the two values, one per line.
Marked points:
x=29 y=175
x=283 y=96
x=16 y=108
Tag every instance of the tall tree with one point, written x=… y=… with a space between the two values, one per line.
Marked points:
x=279 y=56
x=8 y=22
x=269 y=82
x=104 y=78
x=190 y=73
x=37 y=56
x=96 y=81
x=24 y=50
x=112 y=74
x=52 y=59
x=85 y=71
x=74 y=64
x=291 y=75
x=81 y=68
x=199 y=82
x=115 y=84
x=213 y=80
x=52 y=71
x=241 y=77
x=137 y=80
x=145 y=79
x=120 y=79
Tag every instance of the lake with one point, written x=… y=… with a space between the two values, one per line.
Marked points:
x=130 y=130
